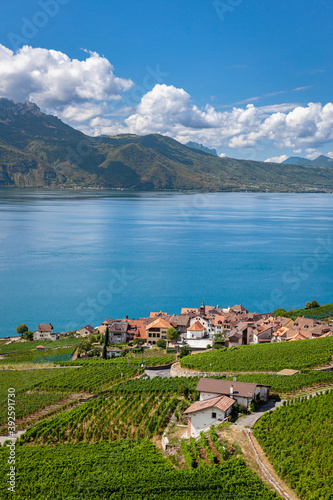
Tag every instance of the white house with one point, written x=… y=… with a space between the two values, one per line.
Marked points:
x=241 y=392
x=196 y=331
x=203 y=414
x=196 y=336
x=204 y=320
x=114 y=352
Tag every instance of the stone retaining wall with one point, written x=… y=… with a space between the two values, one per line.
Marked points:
x=160 y=367
x=178 y=371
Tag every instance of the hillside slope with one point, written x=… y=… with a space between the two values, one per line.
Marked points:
x=39 y=150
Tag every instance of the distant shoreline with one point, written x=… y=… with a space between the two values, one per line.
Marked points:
x=185 y=191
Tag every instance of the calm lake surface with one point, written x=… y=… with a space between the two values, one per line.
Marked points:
x=76 y=257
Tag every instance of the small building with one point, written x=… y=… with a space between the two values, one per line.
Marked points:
x=85 y=331
x=241 y=392
x=114 y=352
x=288 y=372
x=41 y=348
x=61 y=335
x=44 y=332
x=180 y=322
x=263 y=334
x=196 y=331
x=280 y=335
x=203 y=414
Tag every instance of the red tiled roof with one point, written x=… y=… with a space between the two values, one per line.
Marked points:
x=196 y=327
x=304 y=322
x=159 y=323
x=154 y=314
x=223 y=403
x=186 y=310
x=138 y=327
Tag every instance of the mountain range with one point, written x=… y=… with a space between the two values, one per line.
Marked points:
x=321 y=161
x=201 y=147
x=39 y=150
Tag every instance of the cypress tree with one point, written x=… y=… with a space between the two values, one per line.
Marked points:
x=106 y=342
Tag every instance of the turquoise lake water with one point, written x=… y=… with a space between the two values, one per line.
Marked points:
x=77 y=257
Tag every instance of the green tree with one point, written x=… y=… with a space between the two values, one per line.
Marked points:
x=219 y=341
x=29 y=335
x=106 y=343
x=171 y=335
x=21 y=329
x=161 y=343
x=280 y=312
x=312 y=304
x=85 y=346
x=138 y=341
x=184 y=351
x=94 y=352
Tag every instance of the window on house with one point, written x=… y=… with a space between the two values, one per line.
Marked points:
x=213 y=414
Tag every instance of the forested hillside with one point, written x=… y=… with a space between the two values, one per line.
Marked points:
x=39 y=150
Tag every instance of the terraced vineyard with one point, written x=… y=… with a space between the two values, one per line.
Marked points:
x=180 y=385
x=281 y=384
x=20 y=346
x=121 y=470
x=137 y=409
x=28 y=403
x=56 y=355
x=91 y=378
x=146 y=359
x=208 y=450
x=273 y=357
x=26 y=380
x=298 y=439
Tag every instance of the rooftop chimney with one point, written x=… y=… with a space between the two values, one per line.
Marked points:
x=235 y=379
x=231 y=391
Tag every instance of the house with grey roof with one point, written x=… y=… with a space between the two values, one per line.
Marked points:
x=241 y=392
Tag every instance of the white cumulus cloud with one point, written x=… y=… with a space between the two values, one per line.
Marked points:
x=276 y=159
x=312 y=153
x=169 y=110
x=87 y=94
x=68 y=87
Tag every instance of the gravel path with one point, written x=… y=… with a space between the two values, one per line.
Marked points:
x=158 y=373
x=17 y=435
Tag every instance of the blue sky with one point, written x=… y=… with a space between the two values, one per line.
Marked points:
x=237 y=75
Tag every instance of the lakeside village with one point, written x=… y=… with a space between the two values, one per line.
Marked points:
x=194 y=329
